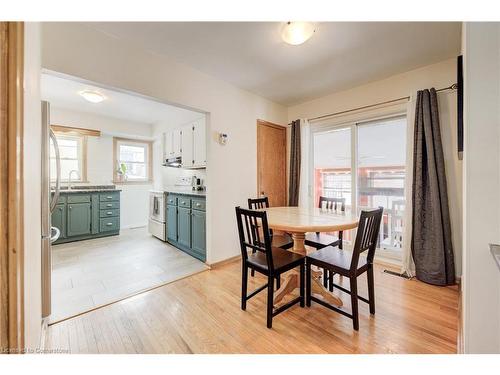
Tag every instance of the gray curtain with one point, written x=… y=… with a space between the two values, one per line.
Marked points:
x=432 y=247
x=294 y=183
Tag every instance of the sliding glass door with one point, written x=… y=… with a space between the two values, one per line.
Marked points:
x=376 y=151
x=332 y=165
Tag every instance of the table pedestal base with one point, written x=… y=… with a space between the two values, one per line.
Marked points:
x=292 y=280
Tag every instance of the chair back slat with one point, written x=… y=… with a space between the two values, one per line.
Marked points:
x=259 y=204
x=254 y=235
x=332 y=203
x=367 y=235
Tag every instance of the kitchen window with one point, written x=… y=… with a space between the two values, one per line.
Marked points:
x=73 y=154
x=133 y=161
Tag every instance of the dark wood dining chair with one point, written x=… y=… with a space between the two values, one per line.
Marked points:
x=320 y=240
x=284 y=240
x=350 y=264
x=267 y=260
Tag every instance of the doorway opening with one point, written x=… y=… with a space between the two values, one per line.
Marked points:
x=127 y=177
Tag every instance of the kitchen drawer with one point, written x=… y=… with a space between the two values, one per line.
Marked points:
x=108 y=205
x=77 y=198
x=198 y=204
x=110 y=196
x=183 y=201
x=109 y=224
x=172 y=199
x=109 y=213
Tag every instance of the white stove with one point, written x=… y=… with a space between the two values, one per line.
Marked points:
x=157 y=225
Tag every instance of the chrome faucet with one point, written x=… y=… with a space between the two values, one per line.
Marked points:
x=69 y=177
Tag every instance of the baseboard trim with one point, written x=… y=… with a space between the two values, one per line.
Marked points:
x=134 y=226
x=224 y=262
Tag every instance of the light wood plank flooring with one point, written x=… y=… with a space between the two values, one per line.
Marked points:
x=201 y=314
x=92 y=273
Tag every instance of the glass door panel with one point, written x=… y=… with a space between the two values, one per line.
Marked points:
x=332 y=166
x=381 y=160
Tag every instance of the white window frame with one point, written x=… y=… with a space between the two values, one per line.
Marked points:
x=81 y=156
x=352 y=122
x=148 y=160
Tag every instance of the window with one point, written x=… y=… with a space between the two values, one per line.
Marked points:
x=368 y=172
x=132 y=161
x=72 y=152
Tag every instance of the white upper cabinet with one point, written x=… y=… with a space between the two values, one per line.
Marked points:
x=187 y=146
x=176 y=142
x=172 y=144
x=200 y=144
x=168 y=145
x=189 y=142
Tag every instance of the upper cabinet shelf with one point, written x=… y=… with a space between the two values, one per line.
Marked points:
x=189 y=143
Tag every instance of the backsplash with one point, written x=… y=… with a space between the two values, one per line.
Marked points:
x=179 y=177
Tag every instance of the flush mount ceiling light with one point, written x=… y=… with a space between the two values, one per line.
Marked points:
x=92 y=96
x=296 y=33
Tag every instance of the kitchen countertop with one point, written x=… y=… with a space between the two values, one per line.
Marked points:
x=89 y=189
x=185 y=190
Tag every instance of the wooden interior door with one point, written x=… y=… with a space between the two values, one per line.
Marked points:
x=271 y=162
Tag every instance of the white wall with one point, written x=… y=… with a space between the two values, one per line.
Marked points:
x=232 y=173
x=134 y=207
x=32 y=187
x=481 y=276
x=437 y=75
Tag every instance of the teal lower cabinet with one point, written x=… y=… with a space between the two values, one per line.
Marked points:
x=171 y=222
x=59 y=219
x=186 y=224
x=79 y=219
x=198 y=235
x=81 y=216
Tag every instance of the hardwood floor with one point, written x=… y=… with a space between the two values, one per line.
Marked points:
x=92 y=273
x=201 y=314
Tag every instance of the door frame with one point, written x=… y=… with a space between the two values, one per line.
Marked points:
x=11 y=187
x=261 y=123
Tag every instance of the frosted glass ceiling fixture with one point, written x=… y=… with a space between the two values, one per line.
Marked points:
x=92 y=96
x=296 y=33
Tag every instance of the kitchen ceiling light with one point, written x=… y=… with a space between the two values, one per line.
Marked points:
x=92 y=96
x=296 y=33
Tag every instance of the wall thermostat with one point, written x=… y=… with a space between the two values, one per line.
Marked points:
x=222 y=138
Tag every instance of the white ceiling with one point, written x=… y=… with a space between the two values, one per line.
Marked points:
x=63 y=93
x=252 y=56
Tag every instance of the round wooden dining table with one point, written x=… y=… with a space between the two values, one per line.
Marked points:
x=298 y=221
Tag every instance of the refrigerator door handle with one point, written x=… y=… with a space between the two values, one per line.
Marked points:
x=55 y=198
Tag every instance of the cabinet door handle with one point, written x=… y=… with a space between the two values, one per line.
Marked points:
x=109 y=224
x=198 y=205
x=109 y=205
x=109 y=213
x=183 y=202
x=109 y=197
x=70 y=207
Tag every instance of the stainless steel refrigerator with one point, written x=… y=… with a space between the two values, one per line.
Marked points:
x=49 y=201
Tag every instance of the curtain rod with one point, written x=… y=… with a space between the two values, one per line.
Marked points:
x=451 y=87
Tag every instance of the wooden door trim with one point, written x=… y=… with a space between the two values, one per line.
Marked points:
x=11 y=187
x=280 y=127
